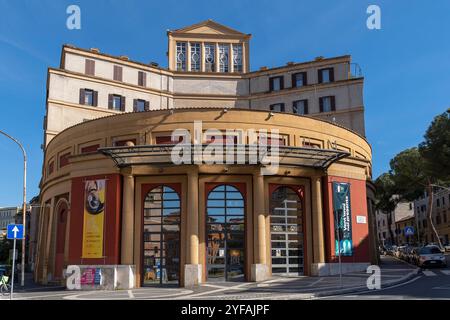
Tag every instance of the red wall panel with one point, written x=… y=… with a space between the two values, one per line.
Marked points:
x=112 y=222
x=360 y=232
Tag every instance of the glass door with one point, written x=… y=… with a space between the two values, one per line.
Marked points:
x=225 y=234
x=161 y=236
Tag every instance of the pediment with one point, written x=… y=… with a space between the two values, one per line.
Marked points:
x=209 y=27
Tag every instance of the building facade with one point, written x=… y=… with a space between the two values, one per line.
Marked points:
x=440 y=216
x=7 y=216
x=396 y=221
x=112 y=194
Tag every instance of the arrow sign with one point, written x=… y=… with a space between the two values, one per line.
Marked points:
x=15 y=231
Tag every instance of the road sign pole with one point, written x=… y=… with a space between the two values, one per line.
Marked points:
x=13 y=267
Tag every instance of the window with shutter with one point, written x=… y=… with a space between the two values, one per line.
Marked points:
x=299 y=80
x=326 y=75
x=278 y=107
x=117 y=73
x=87 y=97
x=89 y=67
x=122 y=103
x=110 y=101
x=95 y=99
x=141 y=79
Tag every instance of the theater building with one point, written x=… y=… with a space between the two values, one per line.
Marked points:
x=112 y=194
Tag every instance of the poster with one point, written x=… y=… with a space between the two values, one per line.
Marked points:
x=93 y=218
x=342 y=219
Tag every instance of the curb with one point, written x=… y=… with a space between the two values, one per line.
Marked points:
x=388 y=284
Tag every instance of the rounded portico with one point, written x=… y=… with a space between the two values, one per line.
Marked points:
x=194 y=195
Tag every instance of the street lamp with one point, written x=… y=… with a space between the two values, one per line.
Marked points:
x=24 y=207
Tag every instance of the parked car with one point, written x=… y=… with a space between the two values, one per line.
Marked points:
x=447 y=247
x=400 y=253
x=430 y=256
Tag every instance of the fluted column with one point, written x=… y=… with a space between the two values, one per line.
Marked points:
x=317 y=211
x=127 y=219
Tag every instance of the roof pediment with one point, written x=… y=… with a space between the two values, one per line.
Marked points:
x=209 y=27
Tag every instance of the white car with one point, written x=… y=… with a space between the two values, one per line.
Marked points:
x=430 y=256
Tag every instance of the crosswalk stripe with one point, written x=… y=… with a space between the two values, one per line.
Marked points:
x=429 y=273
x=446 y=272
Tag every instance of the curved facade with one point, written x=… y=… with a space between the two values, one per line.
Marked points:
x=111 y=194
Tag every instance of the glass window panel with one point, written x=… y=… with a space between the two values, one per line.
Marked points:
x=216 y=203
x=216 y=211
x=117 y=102
x=88 y=97
x=277 y=220
x=235 y=219
x=181 y=56
x=278 y=270
x=278 y=260
x=278 y=253
x=171 y=203
x=196 y=56
x=234 y=195
x=152 y=212
x=299 y=107
x=210 y=57
x=171 y=212
x=237 y=57
x=224 y=52
x=235 y=211
x=276 y=244
x=276 y=236
x=171 y=228
x=235 y=203
x=152 y=220
x=171 y=196
x=216 y=219
x=236 y=227
x=215 y=227
x=216 y=195
x=140 y=105
x=326 y=102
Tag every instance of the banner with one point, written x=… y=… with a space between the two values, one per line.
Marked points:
x=93 y=220
x=342 y=219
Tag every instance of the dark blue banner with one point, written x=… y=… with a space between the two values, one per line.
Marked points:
x=342 y=219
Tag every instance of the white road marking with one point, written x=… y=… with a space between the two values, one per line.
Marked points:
x=446 y=272
x=429 y=273
x=218 y=290
x=315 y=282
x=130 y=294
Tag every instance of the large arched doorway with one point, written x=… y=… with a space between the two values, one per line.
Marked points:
x=225 y=225
x=62 y=211
x=161 y=262
x=286 y=232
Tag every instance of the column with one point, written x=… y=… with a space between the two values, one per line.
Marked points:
x=192 y=269
x=49 y=229
x=127 y=247
x=203 y=68
x=230 y=59
x=188 y=56
x=217 y=58
x=259 y=268
x=317 y=225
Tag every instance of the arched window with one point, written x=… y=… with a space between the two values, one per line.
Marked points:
x=286 y=228
x=161 y=236
x=225 y=226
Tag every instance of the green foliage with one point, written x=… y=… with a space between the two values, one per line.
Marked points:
x=5 y=246
x=409 y=174
x=385 y=189
x=435 y=150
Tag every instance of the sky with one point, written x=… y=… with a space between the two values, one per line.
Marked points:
x=406 y=64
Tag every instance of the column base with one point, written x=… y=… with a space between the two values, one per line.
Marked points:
x=331 y=269
x=260 y=272
x=192 y=275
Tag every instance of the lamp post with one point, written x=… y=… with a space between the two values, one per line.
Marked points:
x=24 y=207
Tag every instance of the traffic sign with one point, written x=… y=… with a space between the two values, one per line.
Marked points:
x=14 y=231
x=409 y=231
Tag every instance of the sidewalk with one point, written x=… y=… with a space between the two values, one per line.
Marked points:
x=31 y=286
x=393 y=272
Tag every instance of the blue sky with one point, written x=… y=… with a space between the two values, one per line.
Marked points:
x=406 y=64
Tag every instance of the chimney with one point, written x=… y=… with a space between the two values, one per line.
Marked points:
x=124 y=58
x=263 y=68
x=95 y=50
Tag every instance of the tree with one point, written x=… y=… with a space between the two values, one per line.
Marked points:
x=385 y=200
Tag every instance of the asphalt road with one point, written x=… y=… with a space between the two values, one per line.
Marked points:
x=430 y=284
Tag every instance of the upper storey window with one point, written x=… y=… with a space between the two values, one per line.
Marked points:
x=196 y=56
x=224 y=53
x=326 y=75
x=299 y=80
x=117 y=76
x=89 y=67
x=210 y=65
x=88 y=97
x=181 y=56
x=276 y=83
x=237 y=57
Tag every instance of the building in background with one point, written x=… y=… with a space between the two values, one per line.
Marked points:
x=112 y=195
x=7 y=216
x=403 y=213
x=440 y=216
